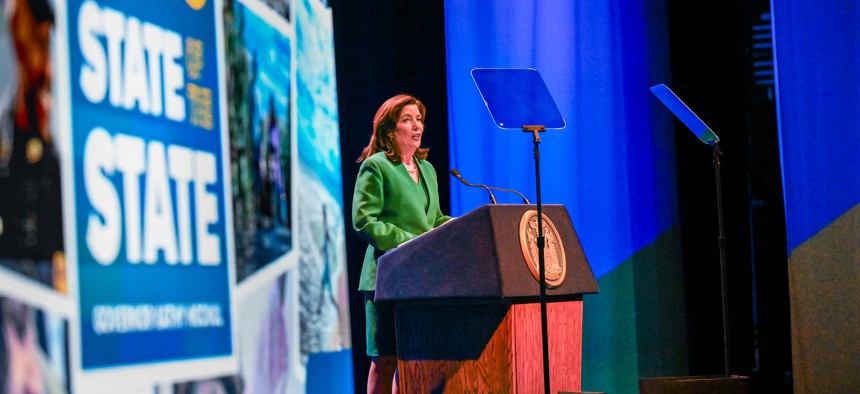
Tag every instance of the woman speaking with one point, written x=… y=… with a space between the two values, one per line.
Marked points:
x=396 y=199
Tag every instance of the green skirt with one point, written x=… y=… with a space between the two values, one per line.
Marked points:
x=379 y=322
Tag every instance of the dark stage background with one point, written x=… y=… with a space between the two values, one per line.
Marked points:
x=382 y=49
x=385 y=48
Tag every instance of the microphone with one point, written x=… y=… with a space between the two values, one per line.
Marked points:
x=456 y=173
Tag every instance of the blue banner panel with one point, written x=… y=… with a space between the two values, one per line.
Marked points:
x=320 y=377
x=818 y=101
x=817 y=57
x=149 y=188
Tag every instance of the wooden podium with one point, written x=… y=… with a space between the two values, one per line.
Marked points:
x=467 y=306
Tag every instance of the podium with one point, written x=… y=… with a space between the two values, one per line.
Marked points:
x=466 y=305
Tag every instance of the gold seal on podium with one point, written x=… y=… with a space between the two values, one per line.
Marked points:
x=555 y=263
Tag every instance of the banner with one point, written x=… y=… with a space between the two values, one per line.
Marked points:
x=151 y=223
x=171 y=214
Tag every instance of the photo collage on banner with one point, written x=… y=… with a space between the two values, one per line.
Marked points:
x=324 y=303
x=291 y=293
x=171 y=216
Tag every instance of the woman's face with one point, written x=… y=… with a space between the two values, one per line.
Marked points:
x=407 y=134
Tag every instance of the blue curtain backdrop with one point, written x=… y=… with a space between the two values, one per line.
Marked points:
x=818 y=98
x=818 y=95
x=613 y=166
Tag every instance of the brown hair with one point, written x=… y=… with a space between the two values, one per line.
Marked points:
x=386 y=120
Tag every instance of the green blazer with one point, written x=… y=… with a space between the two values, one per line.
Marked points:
x=389 y=208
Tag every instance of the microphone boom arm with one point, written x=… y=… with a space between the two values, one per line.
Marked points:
x=525 y=200
x=456 y=173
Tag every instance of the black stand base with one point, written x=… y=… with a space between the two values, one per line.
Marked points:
x=695 y=385
x=581 y=392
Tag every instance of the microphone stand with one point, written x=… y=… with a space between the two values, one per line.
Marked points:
x=456 y=173
x=535 y=129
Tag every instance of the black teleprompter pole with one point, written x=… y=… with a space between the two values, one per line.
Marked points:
x=722 y=245
x=706 y=135
x=535 y=130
